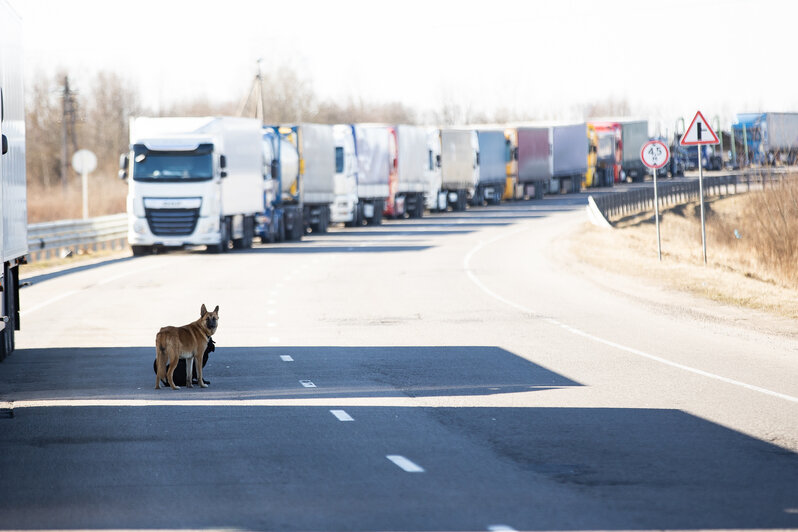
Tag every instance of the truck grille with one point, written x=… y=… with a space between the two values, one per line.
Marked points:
x=172 y=222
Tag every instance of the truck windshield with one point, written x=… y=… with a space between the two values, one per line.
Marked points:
x=152 y=165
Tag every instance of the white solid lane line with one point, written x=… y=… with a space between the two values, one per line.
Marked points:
x=405 y=464
x=579 y=332
x=341 y=415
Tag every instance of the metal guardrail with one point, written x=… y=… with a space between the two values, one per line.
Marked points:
x=54 y=239
x=617 y=205
x=613 y=206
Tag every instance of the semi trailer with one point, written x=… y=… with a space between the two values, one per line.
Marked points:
x=13 y=198
x=459 y=166
x=493 y=159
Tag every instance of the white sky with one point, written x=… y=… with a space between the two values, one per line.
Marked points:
x=667 y=58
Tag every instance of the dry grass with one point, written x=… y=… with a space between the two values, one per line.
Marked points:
x=47 y=204
x=752 y=250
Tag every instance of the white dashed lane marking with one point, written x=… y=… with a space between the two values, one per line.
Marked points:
x=307 y=384
x=405 y=464
x=341 y=415
x=286 y=358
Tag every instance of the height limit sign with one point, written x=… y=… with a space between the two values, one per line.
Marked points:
x=655 y=155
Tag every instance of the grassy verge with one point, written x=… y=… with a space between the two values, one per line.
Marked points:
x=752 y=250
x=48 y=204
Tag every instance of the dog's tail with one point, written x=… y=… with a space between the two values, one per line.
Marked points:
x=160 y=357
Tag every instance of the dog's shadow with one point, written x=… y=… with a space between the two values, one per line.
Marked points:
x=180 y=372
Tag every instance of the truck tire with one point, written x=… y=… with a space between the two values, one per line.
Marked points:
x=539 y=192
x=245 y=242
x=139 y=251
x=224 y=243
x=9 y=307
x=418 y=211
x=379 y=207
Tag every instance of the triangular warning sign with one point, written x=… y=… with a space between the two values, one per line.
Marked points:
x=699 y=132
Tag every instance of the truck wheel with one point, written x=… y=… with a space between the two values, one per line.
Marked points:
x=539 y=192
x=224 y=242
x=7 y=334
x=379 y=207
x=280 y=230
x=324 y=220
x=139 y=251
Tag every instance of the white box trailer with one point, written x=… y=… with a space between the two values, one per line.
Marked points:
x=569 y=156
x=459 y=165
x=317 y=174
x=13 y=198
x=552 y=157
x=374 y=158
x=494 y=154
x=193 y=181
x=412 y=156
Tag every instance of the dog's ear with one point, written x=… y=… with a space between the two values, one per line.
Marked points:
x=216 y=310
x=203 y=310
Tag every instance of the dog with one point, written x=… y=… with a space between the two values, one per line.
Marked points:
x=180 y=371
x=187 y=342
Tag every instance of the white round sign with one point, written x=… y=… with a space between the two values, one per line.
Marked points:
x=84 y=161
x=655 y=154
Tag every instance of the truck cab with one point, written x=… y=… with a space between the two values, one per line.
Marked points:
x=345 y=207
x=174 y=193
x=193 y=182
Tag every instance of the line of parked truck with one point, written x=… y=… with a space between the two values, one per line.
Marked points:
x=224 y=181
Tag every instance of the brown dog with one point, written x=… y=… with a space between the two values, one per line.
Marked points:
x=188 y=342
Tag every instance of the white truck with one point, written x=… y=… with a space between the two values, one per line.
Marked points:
x=459 y=165
x=375 y=153
x=434 y=196
x=345 y=208
x=411 y=163
x=14 y=215
x=316 y=147
x=193 y=182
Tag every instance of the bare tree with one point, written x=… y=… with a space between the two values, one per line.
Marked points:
x=104 y=129
x=43 y=131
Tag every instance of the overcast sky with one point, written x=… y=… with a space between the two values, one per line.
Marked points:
x=668 y=59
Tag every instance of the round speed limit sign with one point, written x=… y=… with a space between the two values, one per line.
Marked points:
x=655 y=154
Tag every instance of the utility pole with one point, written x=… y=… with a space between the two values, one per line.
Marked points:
x=256 y=94
x=68 y=116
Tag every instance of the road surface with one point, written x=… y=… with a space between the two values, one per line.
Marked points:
x=457 y=372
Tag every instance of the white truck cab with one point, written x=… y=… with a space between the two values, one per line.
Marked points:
x=193 y=181
x=344 y=209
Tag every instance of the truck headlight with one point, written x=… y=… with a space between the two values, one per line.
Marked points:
x=140 y=226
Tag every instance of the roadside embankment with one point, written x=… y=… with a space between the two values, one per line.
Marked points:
x=752 y=249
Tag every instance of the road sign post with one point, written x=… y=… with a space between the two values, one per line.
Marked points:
x=655 y=155
x=84 y=162
x=699 y=134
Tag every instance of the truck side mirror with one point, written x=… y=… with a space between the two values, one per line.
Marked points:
x=515 y=153
x=5 y=144
x=438 y=160
x=223 y=165
x=275 y=168
x=123 y=163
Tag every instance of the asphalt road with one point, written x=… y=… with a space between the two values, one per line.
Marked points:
x=457 y=372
